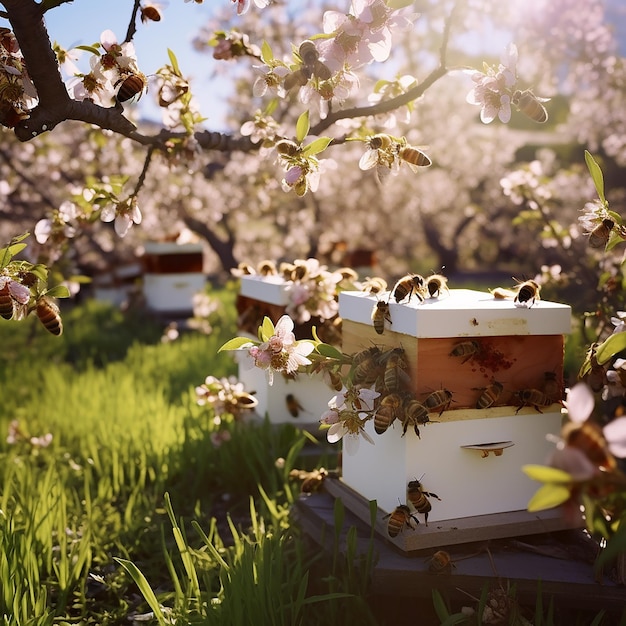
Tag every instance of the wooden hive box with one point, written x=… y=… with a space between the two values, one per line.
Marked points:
x=172 y=276
x=261 y=296
x=471 y=458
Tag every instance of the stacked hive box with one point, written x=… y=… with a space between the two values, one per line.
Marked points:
x=172 y=276
x=471 y=458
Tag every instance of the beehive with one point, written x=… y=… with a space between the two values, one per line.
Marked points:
x=172 y=276
x=471 y=458
x=306 y=396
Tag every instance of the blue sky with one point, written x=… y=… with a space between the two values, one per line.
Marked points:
x=80 y=23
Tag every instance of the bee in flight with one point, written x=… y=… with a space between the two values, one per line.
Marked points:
x=130 y=85
x=380 y=315
x=310 y=66
x=293 y=406
x=440 y=563
x=407 y=286
x=418 y=497
x=530 y=105
x=398 y=519
x=414 y=157
x=49 y=316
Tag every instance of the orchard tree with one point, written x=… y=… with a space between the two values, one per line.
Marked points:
x=332 y=108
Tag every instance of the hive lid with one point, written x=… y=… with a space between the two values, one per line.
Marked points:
x=461 y=313
x=271 y=289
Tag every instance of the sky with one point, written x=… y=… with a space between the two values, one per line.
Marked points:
x=80 y=23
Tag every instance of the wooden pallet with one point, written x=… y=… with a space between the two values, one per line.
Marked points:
x=558 y=563
x=451 y=532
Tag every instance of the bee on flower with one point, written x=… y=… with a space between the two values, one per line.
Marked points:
x=348 y=411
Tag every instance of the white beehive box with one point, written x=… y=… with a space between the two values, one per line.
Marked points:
x=173 y=275
x=471 y=458
x=261 y=296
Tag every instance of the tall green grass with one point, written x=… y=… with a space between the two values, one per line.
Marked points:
x=133 y=495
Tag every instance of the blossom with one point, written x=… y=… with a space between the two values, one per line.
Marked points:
x=348 y=412
x=125 y=215
x=494 y=88
x=281 y=352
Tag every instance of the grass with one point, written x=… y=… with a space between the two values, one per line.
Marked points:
x=131 y=509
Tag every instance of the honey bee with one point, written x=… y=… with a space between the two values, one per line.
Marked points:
x=398 y=519
x=150 y=13
x=311 y=66
x=414 y=158
x=395 y=371
x=293 y=406
x=415 y=413
x=439 y=400
x=440 y=563
x=366 y=369
x=49 y=316
x=588 y=437
x=287 y=148
x=533 y=397
x=311 y=481
x=489 y=395
x=130 y=85
x=599 y=236
x=530 y=105
x=6 y=302
x=435 y=284
x=527 y=293
x=465 y=349
x=418 y=497
x=551 y=386
x=380 y=315
x=407 y=286
x=387 y=412
x=374 y=285
x=267 y=268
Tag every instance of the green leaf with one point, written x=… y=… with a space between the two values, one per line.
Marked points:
x=60 y=291
x=440 y=606
x=302 y=126
x=6 y=254
x=596 y=175
x=267 y=329
x=329 y=351
x=93 y=49
x=315 y=147
x=615 y=546
x=614 y=240
x=545 y=474
x=266 y=53
x=610 y=347
x=549 y=496
x=236 y=344
x=173 y=61
x=144 y=587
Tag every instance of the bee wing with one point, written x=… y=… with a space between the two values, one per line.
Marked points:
x=369 y=159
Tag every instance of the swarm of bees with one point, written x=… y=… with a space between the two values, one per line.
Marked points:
x=525 y=294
